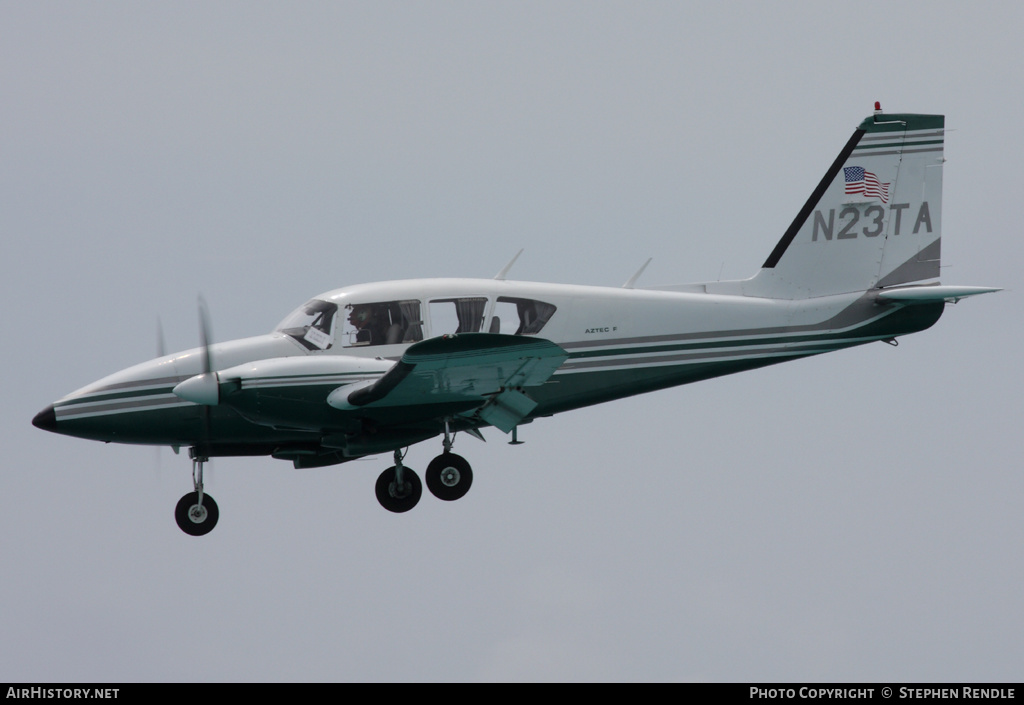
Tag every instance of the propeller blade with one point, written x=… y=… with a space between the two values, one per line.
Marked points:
x=161 y=347
x=204 y=341
x=204 y=335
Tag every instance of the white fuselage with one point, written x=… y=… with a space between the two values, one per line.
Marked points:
x=619 y=342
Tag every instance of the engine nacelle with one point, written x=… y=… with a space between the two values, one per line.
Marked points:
x=298 y=388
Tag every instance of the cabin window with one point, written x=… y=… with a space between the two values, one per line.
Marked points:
x=382 y=323
x=452 y=316
x=312 y=324
x=513 y=316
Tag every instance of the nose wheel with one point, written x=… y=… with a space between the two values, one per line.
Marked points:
x=195 y=518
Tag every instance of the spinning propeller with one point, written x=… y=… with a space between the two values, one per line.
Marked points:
x=204 y=388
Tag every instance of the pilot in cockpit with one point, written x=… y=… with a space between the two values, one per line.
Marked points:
x=361 y=317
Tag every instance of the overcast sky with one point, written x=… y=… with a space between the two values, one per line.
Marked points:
x=855 y=516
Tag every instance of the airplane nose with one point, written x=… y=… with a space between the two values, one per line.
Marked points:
x=46 y=419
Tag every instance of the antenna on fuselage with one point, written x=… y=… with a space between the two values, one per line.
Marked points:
x=500 y=276
x=632 y=280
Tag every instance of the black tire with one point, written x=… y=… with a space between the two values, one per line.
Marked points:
x=192 y=522
x=395 y=501
x=449 y=477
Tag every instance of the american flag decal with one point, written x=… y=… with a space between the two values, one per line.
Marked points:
x=858 y=180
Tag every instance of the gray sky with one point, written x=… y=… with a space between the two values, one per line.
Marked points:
x=850 y=517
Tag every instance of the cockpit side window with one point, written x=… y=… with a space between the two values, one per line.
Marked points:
x=312 y=324
x=514 y=316
x=383 y=323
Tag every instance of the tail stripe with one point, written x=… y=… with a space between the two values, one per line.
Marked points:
x=914 y=142
x=805 y=212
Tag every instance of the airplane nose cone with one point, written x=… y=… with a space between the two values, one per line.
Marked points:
x=46 y=419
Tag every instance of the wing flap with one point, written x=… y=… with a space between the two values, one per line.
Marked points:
x=461 y=368
x=506 y=409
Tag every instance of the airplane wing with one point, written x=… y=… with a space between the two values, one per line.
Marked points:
x=486 y=367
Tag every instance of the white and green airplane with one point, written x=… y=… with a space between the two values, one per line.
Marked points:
x=375 y=368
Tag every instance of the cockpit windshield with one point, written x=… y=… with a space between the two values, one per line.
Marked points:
x=312 y=324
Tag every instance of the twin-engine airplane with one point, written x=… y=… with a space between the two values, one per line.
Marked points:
x=375 y=368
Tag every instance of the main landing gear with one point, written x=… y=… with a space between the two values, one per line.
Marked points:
x=398 y=488
x=196 y=512
x=449 y=477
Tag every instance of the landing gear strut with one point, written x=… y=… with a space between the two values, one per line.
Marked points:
x=398 y=488
x=196 y=512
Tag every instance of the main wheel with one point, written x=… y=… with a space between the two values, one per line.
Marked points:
x=193 y=519
x=449 y=476
x=398 y=499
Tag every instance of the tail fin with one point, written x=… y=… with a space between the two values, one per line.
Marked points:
x=874 y=220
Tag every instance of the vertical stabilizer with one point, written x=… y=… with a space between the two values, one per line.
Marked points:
x=874 y=220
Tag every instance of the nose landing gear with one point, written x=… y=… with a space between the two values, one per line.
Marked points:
x=196 y=512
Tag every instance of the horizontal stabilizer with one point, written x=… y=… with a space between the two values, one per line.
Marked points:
x=457 y=368
x=932 y=294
